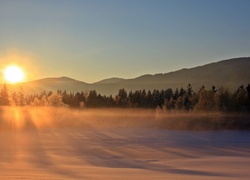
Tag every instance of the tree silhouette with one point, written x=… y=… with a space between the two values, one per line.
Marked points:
x=122 y=98
x=4 y=96
x=21 y=98
x=92 y=99
x=248 y=91
x=180 y=99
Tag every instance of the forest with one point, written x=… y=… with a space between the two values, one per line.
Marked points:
x=184 y=99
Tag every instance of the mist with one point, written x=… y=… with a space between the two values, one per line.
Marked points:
x=18 y=118
x=64 y=143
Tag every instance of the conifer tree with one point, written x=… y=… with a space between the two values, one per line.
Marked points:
x=4 y=96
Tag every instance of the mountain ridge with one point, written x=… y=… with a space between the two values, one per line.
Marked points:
x=109 y=80
x=229 y=73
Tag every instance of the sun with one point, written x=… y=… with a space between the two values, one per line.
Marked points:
x=13 y=74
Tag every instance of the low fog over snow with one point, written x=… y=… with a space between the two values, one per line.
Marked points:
x=31 y=148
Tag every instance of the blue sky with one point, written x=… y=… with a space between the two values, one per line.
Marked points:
x=90 y=40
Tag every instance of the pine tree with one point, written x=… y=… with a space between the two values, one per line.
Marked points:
x=21 y=98
x=92 y=99
x=248 y=91
x=122 y=98
x=4 y=96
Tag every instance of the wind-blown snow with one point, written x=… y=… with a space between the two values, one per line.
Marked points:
x=126 y=153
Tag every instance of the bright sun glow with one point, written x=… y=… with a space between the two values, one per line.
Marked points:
x=13 y=74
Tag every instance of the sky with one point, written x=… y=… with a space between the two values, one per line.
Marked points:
x=91 y=40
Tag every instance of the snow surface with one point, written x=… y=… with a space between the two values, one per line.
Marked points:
x=123 y=153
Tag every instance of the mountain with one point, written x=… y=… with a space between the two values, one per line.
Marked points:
x=49 y=84
x=110 y=81
x=229 y=73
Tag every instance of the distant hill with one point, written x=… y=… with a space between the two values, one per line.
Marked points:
x=50 y=84
x=229 y=73
x=110 y=81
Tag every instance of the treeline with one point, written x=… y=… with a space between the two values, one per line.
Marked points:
x=183 y=99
